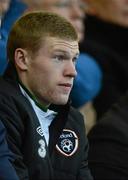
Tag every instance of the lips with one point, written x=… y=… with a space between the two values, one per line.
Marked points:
x=66 y=87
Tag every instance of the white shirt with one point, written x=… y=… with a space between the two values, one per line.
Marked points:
x=45 y=118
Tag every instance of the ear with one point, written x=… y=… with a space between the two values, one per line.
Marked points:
x=21 y=58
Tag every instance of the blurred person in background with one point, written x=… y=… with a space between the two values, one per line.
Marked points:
x=10 y=11
x=107 y=41
x=108 y=143
x=4 y=5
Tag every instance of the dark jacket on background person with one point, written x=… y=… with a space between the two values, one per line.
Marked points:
x=26 y=140
x=108 y=152
x=107 y=43
x=7 y=171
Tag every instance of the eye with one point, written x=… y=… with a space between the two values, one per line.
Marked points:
x=58 y=57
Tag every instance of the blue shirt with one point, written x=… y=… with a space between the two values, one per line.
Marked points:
x=16 y=9
x=88 y=81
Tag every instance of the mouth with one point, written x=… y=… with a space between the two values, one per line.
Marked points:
x=66 y=87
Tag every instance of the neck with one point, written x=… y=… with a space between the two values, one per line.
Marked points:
x=33 y=97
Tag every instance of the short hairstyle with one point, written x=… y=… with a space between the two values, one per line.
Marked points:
x=29 y=31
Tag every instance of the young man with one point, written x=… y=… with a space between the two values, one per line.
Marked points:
x=46 y=135
x=88 y=81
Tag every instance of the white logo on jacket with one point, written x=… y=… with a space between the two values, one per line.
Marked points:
x=39 y=130
x=42 y=148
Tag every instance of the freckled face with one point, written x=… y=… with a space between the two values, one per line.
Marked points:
x=51 y=73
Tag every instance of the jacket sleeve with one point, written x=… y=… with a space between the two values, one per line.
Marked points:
x=10 y=117
x=84 y=171
x=6 y=158
x=109 y=147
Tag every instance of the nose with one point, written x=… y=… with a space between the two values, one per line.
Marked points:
x=70 y=70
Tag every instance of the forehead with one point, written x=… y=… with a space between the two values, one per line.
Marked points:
x=56 y=44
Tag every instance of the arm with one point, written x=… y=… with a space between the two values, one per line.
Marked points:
x=84 y=171
x=109 y=146
x=6 y=158
x=11 y=119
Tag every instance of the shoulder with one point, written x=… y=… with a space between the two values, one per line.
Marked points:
x=114 y=123
x=75 y=114
x=77 y=120
x=9 y=92
x=6 y=168
x=108 y=141
x=13 y=104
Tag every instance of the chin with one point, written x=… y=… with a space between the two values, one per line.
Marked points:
x=61 y=101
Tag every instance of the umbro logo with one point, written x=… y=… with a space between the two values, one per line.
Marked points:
x=39 y=131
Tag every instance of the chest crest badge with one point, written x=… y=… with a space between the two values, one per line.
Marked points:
x=68 y=143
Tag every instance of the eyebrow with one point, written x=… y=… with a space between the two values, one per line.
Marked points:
x=66 y=53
